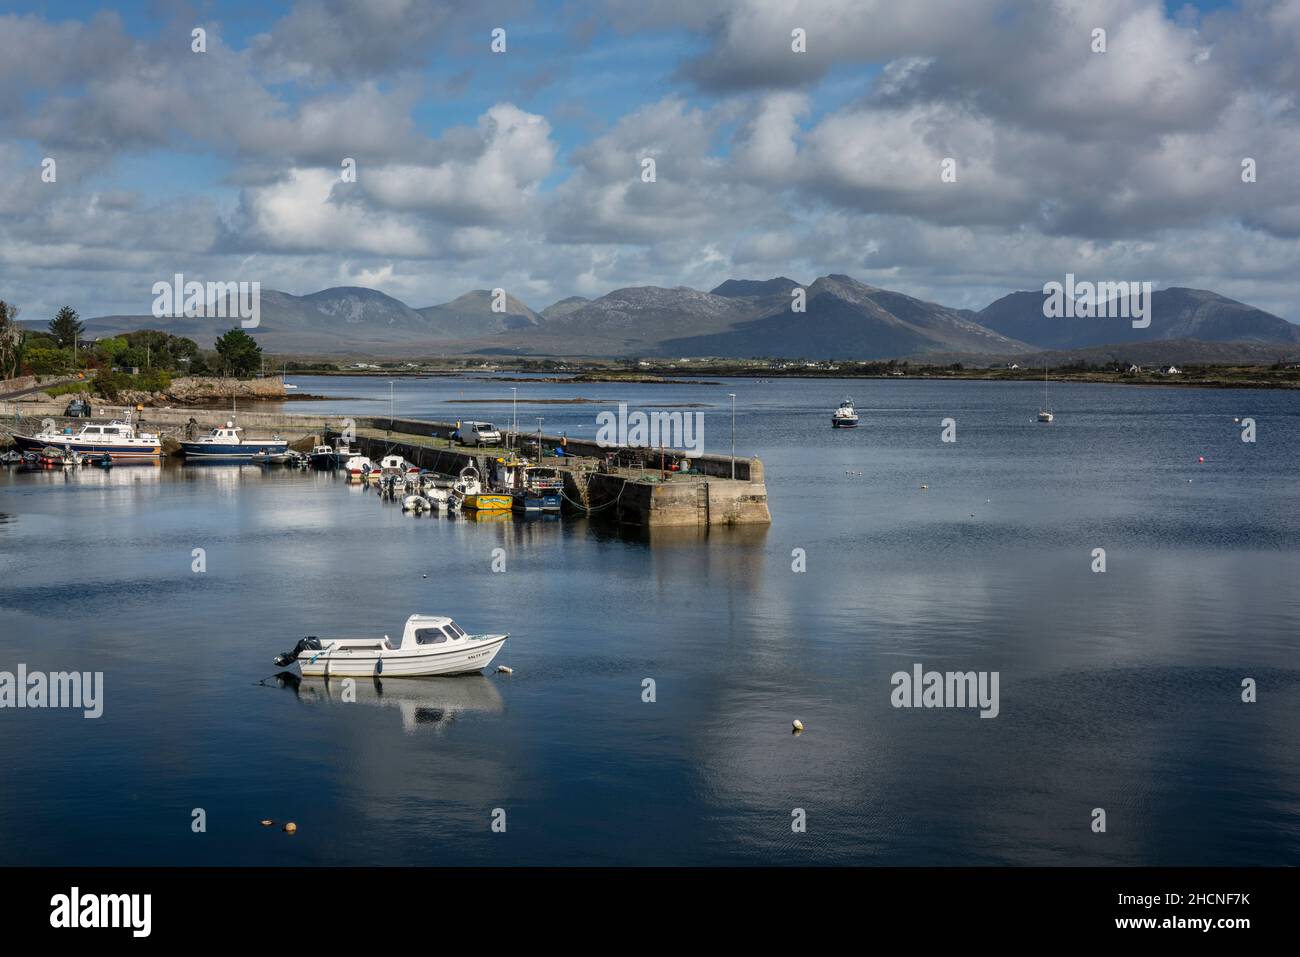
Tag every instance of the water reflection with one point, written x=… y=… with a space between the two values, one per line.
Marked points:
x=422 y=702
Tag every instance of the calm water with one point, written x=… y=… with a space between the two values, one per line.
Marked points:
x=1118 y=690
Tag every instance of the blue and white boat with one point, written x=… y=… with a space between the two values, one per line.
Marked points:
x=118 y=438
x=229 y=442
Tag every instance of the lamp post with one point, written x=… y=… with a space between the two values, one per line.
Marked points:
x=514 y=414
x=390 y=405
x=733 y=435
x=539 y=440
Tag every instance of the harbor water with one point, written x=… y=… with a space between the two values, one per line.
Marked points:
x=655 y=677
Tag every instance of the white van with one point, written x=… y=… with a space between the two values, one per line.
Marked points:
x=478 y=433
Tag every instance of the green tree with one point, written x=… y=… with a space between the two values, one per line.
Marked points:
x=110 y=349
x=239 y=353
x=44 y=361
x=12 y=340
x=66 y=327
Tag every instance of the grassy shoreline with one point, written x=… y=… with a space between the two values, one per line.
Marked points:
x=1218 y=377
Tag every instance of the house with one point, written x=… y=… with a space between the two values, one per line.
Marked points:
x=1173 y=370
x=1134 y=369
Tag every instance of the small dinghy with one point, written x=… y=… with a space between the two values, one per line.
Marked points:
x=416 y=504
x=430 y=645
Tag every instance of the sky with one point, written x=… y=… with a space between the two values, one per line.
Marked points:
x=523 y=169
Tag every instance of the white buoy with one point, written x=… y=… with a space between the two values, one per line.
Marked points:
x=925 y=488
x=505 y=670
x=291 y=828
x=267 y=823
x=797 y=725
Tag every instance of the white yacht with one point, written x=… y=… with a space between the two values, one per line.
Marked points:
x=845 y=417
x=118 y=438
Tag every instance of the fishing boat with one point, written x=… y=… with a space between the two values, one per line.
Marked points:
x=845 y=417
x=538 y=489
x=119 y=438
x=331 y=456
x=430 y=645
x=322 y=457
x=1045 y=413
x=229 y=442
x=473 y=496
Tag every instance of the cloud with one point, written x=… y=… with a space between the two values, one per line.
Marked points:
x=490 y=174
x=767 y=162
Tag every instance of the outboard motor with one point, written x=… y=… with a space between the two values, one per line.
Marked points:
x=310 y=643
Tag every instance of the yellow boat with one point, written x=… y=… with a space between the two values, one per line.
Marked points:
x=486 y=502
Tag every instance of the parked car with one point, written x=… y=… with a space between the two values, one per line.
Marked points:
x=78 y=409
x=477 y=433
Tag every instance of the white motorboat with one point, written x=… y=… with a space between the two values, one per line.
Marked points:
x=416 y=504
x=357 y=466
x=394 y=465
x=119 y=438
x=845 y=417
x=430 y=645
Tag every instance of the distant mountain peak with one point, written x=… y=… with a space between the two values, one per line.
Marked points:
x=745 y=288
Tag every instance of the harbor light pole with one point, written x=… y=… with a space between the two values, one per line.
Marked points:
x=539 y=440
x=733 y=435
x=390 y=406
x=514 y=414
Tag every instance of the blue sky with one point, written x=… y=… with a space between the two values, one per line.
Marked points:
x=522 y=169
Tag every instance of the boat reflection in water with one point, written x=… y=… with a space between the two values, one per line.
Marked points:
x=422 y=702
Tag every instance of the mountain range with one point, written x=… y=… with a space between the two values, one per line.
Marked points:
x=842 y=319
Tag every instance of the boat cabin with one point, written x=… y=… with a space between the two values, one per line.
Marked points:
x=429 y=630
x=227 y=434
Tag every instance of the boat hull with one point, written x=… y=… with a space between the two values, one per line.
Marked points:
x=141 y=451
x=844 y=423
x=242 y=450
x=535 y=502
x=484 y=502
x=363 y=663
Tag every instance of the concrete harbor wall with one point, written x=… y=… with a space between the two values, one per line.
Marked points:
x=625 y=494
x=631 y=486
